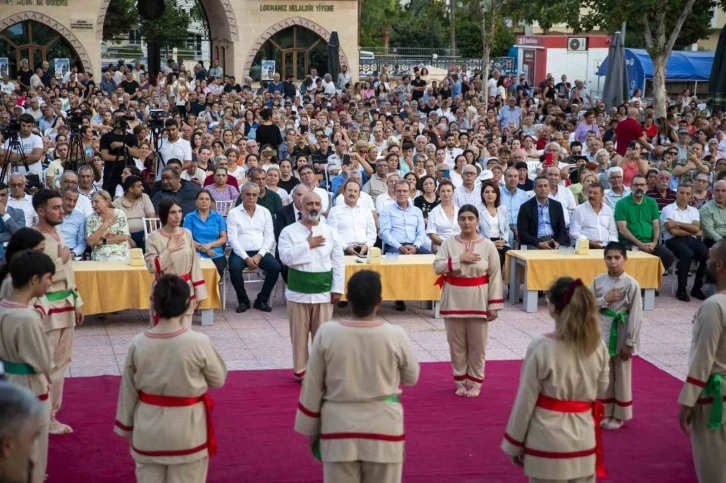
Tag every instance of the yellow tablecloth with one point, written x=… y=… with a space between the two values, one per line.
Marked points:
x=113 y=286
x=546 y=266
x=411 y=277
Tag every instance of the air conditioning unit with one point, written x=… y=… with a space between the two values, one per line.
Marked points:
x=577 y=44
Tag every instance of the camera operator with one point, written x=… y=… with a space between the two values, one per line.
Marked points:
x=117 y=147
x=31 y=146
x=174 y=146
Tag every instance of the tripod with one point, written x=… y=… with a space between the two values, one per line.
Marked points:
x=13 y=145
x=156 y=141
x=76 y=153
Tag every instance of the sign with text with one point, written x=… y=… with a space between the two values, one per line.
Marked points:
x=268 y=70
x=36 y=3
x=296 y=7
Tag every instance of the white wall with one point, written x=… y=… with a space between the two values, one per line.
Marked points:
x=575 y=65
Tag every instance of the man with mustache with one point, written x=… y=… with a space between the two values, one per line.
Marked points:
x=313 y=253
x=638 y=222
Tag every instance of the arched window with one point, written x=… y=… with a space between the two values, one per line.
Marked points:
x=295 y=51
x=37 y=43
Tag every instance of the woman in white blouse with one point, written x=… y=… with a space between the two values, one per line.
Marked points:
x=493 y=218
x=443 y=222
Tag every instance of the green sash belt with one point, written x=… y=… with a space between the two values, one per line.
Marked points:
x=61 y=295
x=18 y=368
x=713 y=389
x=309 y=282
x=618 y=317
x=316 y=447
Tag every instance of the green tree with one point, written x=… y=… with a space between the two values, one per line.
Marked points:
x=120 y=15
x=377 y=20
x=659 y=23
x=170 y=30
x=422 y=24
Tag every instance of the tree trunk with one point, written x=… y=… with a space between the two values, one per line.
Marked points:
x=386 y=38
x=452 y=39
x=660 y=96
x=485 y=50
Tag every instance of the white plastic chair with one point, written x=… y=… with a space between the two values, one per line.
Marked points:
x=223 y=207
x=150 y=225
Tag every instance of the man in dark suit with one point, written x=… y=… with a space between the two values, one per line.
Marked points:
x=287 y=215
x=541 y=222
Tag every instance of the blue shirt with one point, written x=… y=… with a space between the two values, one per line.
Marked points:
x=206 y=231
x=456 y=89
x=544 y=226
x=513 y=202
x=74 y=232
x=507 y=115
x=399 y=227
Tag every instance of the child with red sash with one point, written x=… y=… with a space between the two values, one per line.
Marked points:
x=24 y=351
x=621 y=314
x=163 y=405
x=471 y=297
x=554 y=428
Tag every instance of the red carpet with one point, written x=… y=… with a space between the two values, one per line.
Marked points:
x=449 y=439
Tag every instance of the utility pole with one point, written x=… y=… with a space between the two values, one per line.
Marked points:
x=452 y=19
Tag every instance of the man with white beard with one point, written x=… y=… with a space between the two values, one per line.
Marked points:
x=313 y=253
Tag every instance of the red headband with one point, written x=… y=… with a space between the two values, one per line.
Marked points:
x=570 y=290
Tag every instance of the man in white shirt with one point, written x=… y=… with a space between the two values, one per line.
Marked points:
x=354 y=223
x=69 y=179
x=174 y=146
x=387 y=198
x=328 y=85
x=492 y=84
x=307 y=177
x=31 y=145
x=20 y=200
x=467 y=193
x=6 y=85
x=86 y=187
x=560 y=193
x=451 y=150
x=681 y=226
x=594 y=220
x=252 y=238
x=617 y=190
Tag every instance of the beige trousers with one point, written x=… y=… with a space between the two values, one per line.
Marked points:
x=61 y=345
x=362 y=472
x=305 y=319
x=193 y=472
x=618 y=397
x=40 y=455
x=467 y=343
x=709 y=447
x=584 y=479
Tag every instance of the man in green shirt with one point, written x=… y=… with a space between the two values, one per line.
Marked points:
x=713 y=215
x=638 y=222
x=268 y=199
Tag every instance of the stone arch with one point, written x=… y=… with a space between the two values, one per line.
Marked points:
x=272 y=30
x=46 y=20
x=220 y=14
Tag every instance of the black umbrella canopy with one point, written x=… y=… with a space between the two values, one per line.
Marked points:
x=717 y=81
x=615 y=91
x=334 y=56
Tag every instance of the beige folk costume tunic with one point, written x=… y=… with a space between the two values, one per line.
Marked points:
x=163 y=407
x=27 y=361
x=556 y=415
x=63 y=300
x=705 y=386
x=469 y=292
x=618 y=398
x=184 y=262
x=351 y=399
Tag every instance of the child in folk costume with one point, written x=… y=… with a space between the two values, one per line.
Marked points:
x=163 y=405
x=554 y=428
x=621 y=314
x=170 y=251
x=471 y=297
x=350 y=403
x=64 y=302
x=313 y=253
x=24 y=350
x=703 y=394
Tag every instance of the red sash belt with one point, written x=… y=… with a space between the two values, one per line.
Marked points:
x=461 y=281
x=598 y=413
x=187 y=277
x=176 y=402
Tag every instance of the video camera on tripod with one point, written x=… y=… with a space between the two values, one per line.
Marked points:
x=12 y=130
x=157 y=117
x=76 y=117
x=11 y=133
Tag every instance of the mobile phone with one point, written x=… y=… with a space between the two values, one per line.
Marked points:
x=446 y=174
x=632 y=145
x=548 y=159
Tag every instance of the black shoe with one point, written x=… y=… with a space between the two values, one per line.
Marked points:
x=697 y=293
x=657 y=293
x=400 y=305
x=682 y=296
x=242 y=307
x=262 y=306
x=342 y=305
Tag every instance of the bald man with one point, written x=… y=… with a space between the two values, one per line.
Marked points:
x=313 y=254
x=701 y=398
x=630 y=130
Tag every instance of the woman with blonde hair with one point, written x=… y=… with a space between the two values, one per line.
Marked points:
x=554 y=427
x=107 y=230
